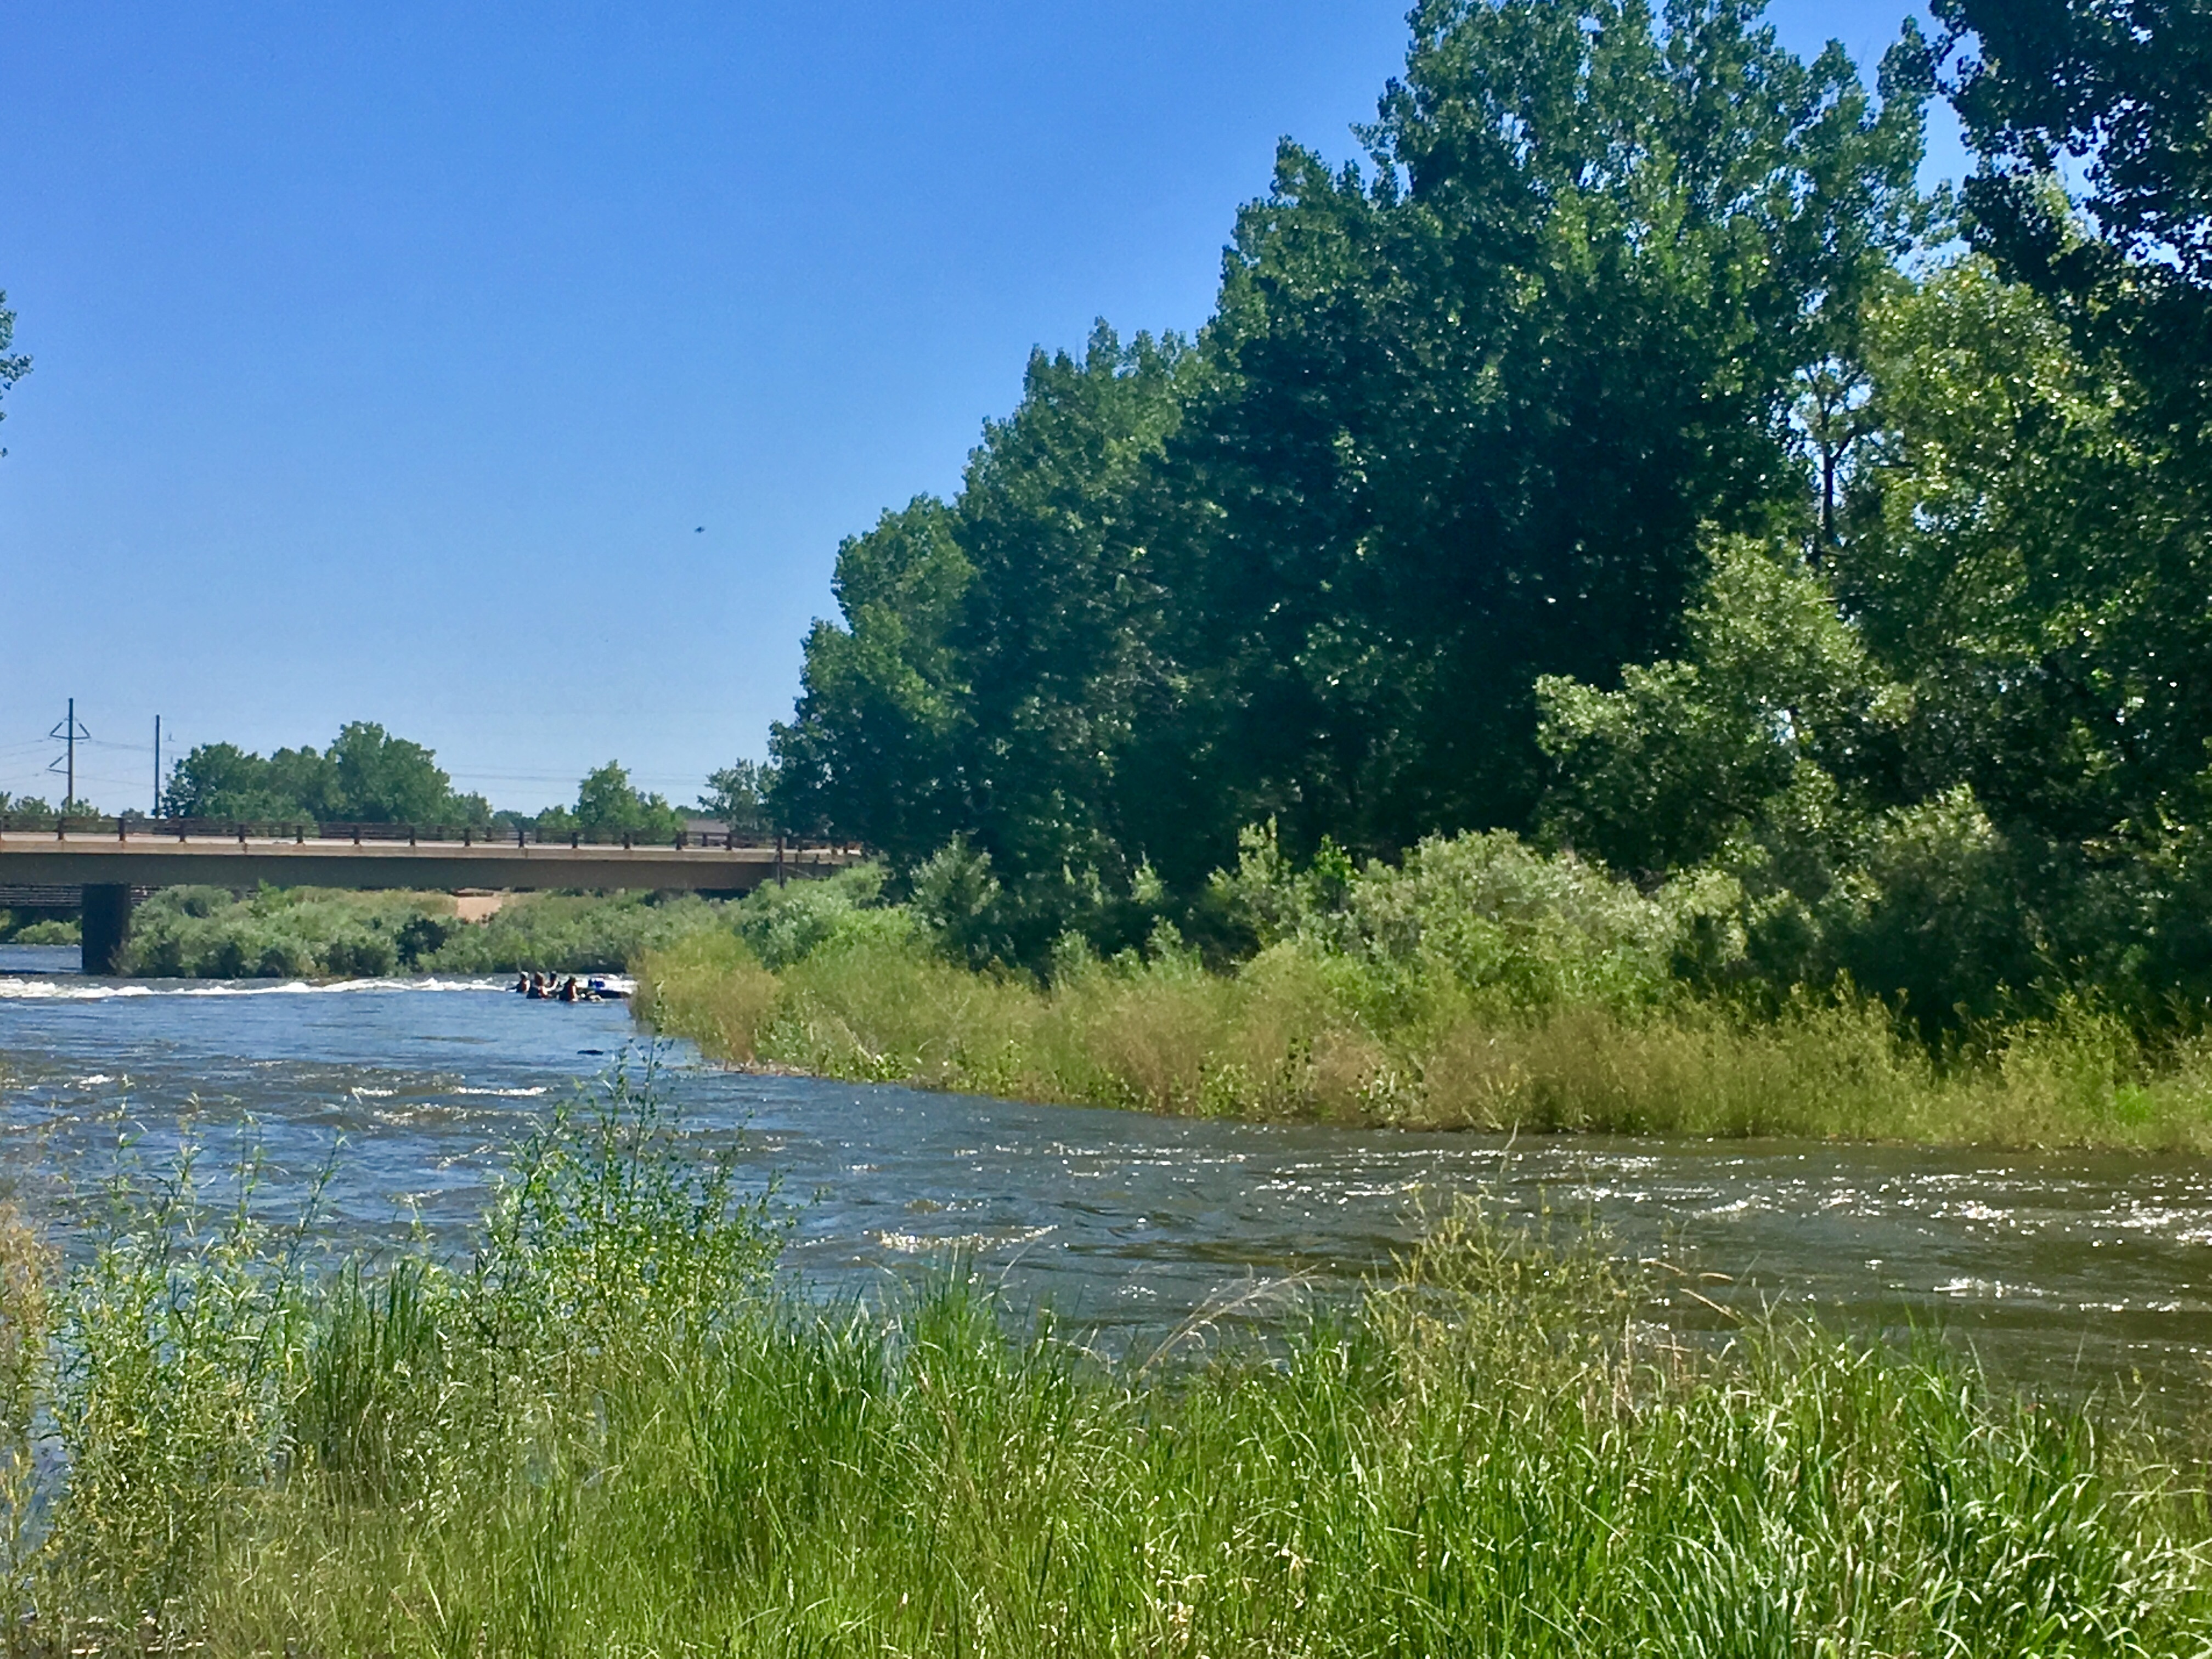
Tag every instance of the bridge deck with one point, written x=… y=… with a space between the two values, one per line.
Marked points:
x=144 y=856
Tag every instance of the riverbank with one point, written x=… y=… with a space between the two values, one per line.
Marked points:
x=208 y=932
x=619 y=1433
x=1292 y=1036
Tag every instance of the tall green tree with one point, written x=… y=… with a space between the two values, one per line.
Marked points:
x=1470 y=410
x=607 y=803
x=1059 y=633
x=738 y=795
x=221 y=780
x=381 y=779
x=1459 y=421
x=2032 y=562
x=2118 y=94
x=1956 y=752
x=2095 y=190
x=876 y=747
x=997 y=664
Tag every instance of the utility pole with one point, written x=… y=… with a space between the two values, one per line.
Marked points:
x=157 y=766
x=69 y=732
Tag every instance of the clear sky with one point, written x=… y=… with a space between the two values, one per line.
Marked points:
x=509 y=373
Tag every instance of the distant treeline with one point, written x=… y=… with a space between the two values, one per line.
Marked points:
x=365 y=776
x=1631 y=456
x=35 y=810
x=368 y=777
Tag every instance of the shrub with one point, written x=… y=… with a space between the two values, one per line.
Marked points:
x=360 y=955
x=284 y=932
x=571 y=932
x=786 y=921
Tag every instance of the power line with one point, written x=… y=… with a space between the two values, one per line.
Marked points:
x=92 y=778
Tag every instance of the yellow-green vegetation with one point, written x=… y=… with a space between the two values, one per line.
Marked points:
x=611 y=1431
x=283 y=932
x=1479 y=985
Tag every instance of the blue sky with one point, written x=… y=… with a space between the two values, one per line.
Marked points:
x=509 y=373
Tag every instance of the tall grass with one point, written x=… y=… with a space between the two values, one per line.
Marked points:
x=1296 y=1033
x=611 y=1432
x=1480 y=983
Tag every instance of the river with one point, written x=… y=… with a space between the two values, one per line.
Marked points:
x=2061 y=1270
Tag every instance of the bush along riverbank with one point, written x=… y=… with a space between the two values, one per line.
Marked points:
x=1481 y=984
x=610 y=1430
x=16 y=929
x=290 y=933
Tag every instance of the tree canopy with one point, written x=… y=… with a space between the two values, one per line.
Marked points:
x=737 y=795
x=2119 y=95
x=608 y=804
x=365 y=776
x=368 y=777
x=1461 y=419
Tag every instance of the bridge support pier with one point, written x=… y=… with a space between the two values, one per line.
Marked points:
x=107 y=920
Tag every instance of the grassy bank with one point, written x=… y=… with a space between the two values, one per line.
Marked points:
x=1463 y=1006
x=610 y=1432
x=304 y=932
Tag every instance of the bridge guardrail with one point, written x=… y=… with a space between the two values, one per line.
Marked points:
x=130 y=826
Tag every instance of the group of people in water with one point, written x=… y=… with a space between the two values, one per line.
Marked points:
x=551 y=988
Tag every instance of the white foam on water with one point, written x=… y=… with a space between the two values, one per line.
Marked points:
x=56 y=990
x=47 y=990
x=335 y=987
x=1986 y=1288
x=916 y=1243
x=502 y=1094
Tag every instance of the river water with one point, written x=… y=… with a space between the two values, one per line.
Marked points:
x=2061 y=1270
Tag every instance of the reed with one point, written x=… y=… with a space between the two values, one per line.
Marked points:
x=1294 y=1034
x=612 y=1432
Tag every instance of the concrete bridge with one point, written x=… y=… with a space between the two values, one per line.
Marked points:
x=109 y=858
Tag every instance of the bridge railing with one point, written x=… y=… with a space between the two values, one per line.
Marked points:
x=133 y=827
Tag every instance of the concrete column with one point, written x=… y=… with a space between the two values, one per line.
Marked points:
x=107 y=919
